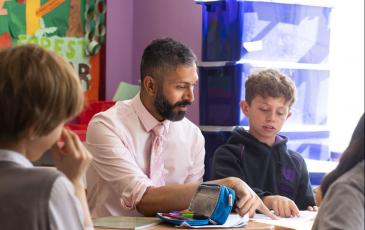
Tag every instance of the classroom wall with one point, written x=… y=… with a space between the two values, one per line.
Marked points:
x=132 y=24
x=119 y=44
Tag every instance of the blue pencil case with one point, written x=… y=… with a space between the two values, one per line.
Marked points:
x=178 y=218
x=211 y=204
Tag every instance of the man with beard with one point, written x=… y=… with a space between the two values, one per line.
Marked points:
x=137 y=172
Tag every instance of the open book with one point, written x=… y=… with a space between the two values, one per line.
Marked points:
x=124 y=222
x=304 y=221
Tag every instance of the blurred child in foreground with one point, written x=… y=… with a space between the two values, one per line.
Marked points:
x=39 y=92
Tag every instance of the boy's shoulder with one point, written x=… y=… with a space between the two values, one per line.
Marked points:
x=37 y=181
x=36 y=174
x=297 y=158
x=238 y=136
x=295 y=154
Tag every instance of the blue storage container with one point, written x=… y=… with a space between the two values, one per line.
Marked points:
x=222 y=30
x=285 y=32
x=222 y=88
x=311 y=143
x=220 y=94
x=265 y=30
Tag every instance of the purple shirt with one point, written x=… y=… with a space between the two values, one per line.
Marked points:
x=120 y=140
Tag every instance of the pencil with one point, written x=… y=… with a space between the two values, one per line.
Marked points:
x=173 y=216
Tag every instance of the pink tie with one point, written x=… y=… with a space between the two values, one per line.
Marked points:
x=157 y=163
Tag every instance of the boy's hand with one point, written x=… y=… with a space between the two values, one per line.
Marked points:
x=248 y=201
x=281 y=205
x=312 y=208
x=71 y=157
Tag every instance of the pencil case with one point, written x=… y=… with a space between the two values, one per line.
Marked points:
x=179 y=218
x=211 y=204
x=214 y=201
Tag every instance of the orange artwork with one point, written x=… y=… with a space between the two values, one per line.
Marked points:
x=56 y=25
x=93 y=92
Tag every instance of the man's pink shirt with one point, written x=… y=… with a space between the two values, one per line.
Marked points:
x=120 y=140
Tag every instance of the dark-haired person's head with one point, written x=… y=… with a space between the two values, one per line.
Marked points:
x=168 y=77
x=353 y=154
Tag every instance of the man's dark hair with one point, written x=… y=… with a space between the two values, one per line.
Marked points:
x=164 y=55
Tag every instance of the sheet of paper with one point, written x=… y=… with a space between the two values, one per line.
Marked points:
x=233 y=221
x=304 y=221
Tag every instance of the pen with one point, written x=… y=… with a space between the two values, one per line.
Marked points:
x=194 y=216
x=186 y=212
x=173 y=216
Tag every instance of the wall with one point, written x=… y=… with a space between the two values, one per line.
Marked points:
x=118 y=44
x=134 y=24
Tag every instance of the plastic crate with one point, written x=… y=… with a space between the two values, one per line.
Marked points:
x=220 y=94
x=265 y=30
x=222 y=88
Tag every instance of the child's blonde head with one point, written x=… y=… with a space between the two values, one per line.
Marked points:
x=38 y=90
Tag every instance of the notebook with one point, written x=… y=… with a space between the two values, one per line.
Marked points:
x=123 y=222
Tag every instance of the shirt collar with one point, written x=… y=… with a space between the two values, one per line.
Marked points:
x=15 y=157
x=146 y=118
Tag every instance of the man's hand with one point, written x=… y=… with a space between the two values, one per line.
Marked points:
x=247 y=199
x=281 y=205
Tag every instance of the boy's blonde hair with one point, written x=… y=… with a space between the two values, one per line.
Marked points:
x=270 y=83
x=38 y=90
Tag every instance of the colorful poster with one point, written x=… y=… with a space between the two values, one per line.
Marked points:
x=58 y=25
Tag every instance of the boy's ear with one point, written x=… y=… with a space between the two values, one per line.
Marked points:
x=30 y=134
x=150 y=85
x=289 y=115
x=244 y=107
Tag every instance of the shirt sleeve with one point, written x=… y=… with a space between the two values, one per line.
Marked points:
x=65 y=212
x=115 y=164
x=225 y=163
x=198 y=152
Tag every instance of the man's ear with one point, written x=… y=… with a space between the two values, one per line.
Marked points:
x=244 y=107
x=150 y=85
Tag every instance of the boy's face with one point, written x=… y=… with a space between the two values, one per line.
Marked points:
x=266 y=117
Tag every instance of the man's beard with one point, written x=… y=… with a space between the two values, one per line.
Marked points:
x=166 y=109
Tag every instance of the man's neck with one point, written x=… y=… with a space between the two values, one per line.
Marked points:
x=148 y=103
